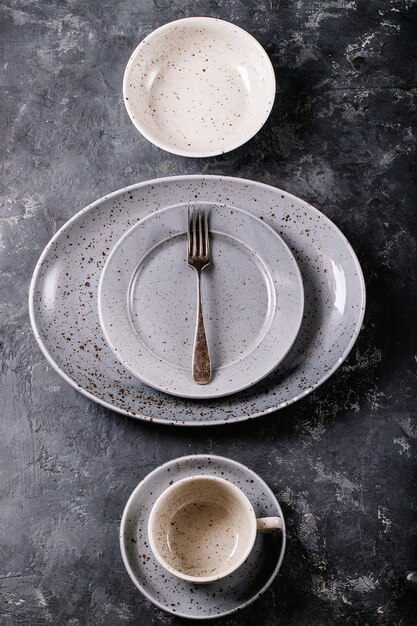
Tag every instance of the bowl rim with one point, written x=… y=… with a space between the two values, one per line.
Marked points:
x=166 y=28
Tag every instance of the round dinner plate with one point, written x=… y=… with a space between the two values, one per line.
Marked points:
x=63 y=299
x=199 y=86
x=252 y=295
x=187 y=599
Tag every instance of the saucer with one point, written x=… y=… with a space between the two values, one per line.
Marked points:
x=186 y=599
x=252 y=292
x=199 y=87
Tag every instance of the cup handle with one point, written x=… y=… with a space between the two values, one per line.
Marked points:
x=265 y=525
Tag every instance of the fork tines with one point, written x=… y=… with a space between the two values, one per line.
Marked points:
x=198 y=234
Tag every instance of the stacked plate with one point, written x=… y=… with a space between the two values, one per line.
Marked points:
x=113 y=301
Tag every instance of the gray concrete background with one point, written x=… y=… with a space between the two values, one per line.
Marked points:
x=343 y=461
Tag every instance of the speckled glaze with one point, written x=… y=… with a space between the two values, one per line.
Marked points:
x=202 y=528
x=184 y=598
x=63 y=303
x=252 y=296
x=199 y=87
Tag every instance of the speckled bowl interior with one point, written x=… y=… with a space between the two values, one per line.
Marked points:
x=199 y=87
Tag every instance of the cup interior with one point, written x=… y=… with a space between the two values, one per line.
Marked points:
x=202 y=528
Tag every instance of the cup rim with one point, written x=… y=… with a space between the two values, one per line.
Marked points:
x=213 y=577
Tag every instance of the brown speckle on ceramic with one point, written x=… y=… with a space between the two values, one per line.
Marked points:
x=64 y=311
x=202 y=528
x=185 y=598
x=199 y=87
x=252 y=293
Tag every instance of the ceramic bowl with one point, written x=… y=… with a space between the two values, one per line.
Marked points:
x=199 y=87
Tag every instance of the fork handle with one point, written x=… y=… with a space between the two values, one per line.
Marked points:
x=201 y=355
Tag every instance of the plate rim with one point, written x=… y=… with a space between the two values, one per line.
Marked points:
x=190 y=153
x=300 y=313
x=214 y=457
x=164 y=180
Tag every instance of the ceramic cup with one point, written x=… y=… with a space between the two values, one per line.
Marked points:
x=203 y=528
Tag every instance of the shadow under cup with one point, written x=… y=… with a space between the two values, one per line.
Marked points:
x=202 y=528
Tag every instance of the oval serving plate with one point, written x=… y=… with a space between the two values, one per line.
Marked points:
x=63 y=300
x=199 y=87
x=252 y=298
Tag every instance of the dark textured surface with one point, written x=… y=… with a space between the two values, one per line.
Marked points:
x=343 y=461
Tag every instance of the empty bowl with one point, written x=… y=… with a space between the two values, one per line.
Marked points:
x=199 y=87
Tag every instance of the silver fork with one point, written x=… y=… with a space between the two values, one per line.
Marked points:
x=199 y=258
